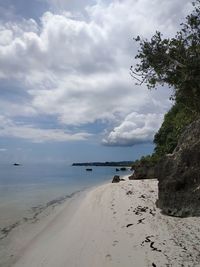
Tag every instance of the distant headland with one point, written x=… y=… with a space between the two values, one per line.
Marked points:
x=107 y=163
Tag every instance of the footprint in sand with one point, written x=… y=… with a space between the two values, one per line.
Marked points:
x=131 y=235
x=108 y=257
x=115 y=243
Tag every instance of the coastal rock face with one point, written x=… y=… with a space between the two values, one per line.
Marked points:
x=142 y=171
x=179 y=176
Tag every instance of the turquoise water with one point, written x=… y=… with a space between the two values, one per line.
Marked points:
x=27 y=186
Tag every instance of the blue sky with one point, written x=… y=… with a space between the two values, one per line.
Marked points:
x=66 y=92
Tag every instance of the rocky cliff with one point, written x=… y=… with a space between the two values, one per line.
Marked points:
x=179 y=176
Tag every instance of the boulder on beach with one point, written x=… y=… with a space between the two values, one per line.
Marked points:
x=143 y=170
x=116 y=179
x=132 y=177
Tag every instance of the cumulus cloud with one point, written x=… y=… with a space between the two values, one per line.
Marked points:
x=135 y=129
x=77 y=69
x=9 y=128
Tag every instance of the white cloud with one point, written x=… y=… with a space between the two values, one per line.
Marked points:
x=12 y=109
x=78 y=70
x=135 y=129
x=6 y=37
x=10 y=129
x=3 y=149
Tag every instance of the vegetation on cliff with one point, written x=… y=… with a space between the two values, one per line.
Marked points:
x=175 y=121
x=175 y=62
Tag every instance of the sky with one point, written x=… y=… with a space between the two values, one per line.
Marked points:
x=66 y=94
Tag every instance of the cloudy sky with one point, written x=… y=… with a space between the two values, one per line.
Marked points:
x=65 y=89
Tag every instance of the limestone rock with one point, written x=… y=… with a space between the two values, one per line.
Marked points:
x=131 y=177
x=116 y=179
x=143 y=170
x=179 y=176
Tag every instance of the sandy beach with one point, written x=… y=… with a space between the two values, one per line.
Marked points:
x=111 y=225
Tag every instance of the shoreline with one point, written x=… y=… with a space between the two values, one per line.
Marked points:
x=12 y=239
x=21 y=233
x=108 y=225
x=35 y=212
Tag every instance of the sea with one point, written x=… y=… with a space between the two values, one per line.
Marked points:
x=26 y=187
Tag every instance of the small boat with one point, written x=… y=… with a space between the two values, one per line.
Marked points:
x=16 y=164
x=88 y=169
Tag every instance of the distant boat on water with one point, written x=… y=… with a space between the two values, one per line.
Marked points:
x=88 y=169
x=16 y=164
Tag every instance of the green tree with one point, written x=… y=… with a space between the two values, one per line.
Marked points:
x=175 y=62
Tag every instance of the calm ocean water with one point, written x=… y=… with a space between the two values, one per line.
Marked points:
x=27 y=186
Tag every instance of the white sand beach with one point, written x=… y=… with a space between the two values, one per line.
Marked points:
x=112 y=225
